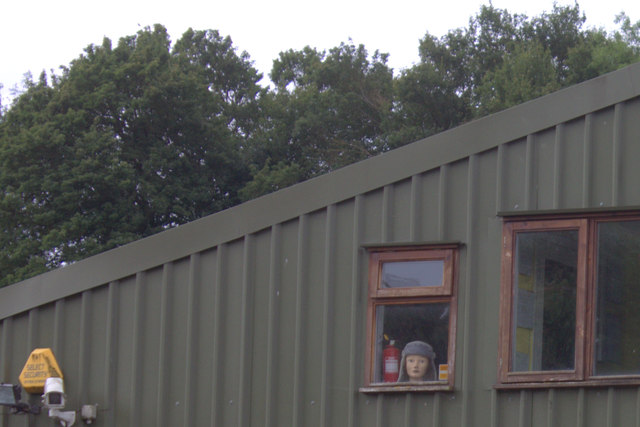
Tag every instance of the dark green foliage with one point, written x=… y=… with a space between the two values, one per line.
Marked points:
x=501 y=60
x=129 y=141
x=333 y=105
x=133 y=139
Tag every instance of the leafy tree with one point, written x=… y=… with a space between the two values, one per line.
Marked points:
x=428 y=100
x=328 y=109
x=629 y=33
x=271 y=178
x=501 y=60
x=230 y=76
x=128 y=141
x=526 y=73
x=133 y=139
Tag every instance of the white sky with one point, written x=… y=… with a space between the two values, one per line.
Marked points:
x=41 y=35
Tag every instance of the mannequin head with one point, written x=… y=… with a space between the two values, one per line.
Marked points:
x=416 y=367
x=417 y=362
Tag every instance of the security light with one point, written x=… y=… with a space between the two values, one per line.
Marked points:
x=10 y=394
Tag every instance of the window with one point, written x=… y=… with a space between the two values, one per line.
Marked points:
x=570 y=300
x=412 y=307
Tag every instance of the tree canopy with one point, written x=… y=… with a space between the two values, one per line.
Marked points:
x=133 y=139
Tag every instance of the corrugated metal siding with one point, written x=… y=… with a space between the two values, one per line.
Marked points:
x=267 y=328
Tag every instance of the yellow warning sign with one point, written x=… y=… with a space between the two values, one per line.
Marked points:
x=40 y=365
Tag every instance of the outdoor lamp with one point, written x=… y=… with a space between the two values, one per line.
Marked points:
x=10 y=396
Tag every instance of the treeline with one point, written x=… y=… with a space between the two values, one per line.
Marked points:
x=142 y=136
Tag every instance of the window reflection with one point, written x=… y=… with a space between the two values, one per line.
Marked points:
x=617 y=346
x=545 y=293
x=404 y=274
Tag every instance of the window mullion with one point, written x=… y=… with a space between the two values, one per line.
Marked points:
x=582 y=300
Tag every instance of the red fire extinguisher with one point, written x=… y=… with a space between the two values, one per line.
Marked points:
x=390 y=363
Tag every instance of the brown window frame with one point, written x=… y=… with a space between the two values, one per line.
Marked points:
x=378 y=296
x=582 y=375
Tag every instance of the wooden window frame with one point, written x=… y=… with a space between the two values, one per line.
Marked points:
x=378 y=296
x=582 y=375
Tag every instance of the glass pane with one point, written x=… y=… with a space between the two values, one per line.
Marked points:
x=544 y=309
x=404 y=274
x=400 y=324
x=617 y=345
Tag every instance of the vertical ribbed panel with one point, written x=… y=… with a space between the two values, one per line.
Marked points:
x=354 y=354
x=386 y=236
x=327 y=313
x=84 y=353
x=557 y=165
x=137 y=349
x=380 y=410
x=246 y=343
x=529 y=190
x=58 y=327
x=499 y=182
x=500 y=186
x=525 y=409
x=442 y=225
x=408 y=404
x=216 y=360
x=611 y=407
x=414 y=208
x=191 y=338
x=442 y=205
x=299 y=338
x=111 y=351
x=466 y=293
x=32 y=331
x=616 y=154
x=493 y=413
x=275 y=277
x=587 y=161
x=580 y=408
x=387 y=212
x=437 y=398
x=163 y=349
x=551 y=399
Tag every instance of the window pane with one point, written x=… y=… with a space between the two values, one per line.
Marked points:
x=617 y=346
x=404 y=274
x=543 y=335
x=405 y=323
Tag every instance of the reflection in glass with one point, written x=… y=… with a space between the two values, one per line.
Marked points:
x=404 y=274
x=617 y=345
x=404 y=323
x=544 y=301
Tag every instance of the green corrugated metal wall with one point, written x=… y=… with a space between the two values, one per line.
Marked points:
x=261 y=321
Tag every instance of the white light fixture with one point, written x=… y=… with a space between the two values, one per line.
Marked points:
x=54 y=399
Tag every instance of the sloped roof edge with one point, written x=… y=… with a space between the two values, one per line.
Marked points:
x=404 y=162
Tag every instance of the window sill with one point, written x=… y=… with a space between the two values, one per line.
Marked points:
x=406 y=387
x=608 y=382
